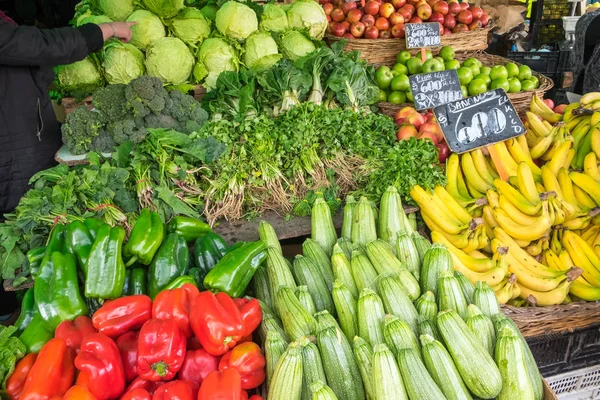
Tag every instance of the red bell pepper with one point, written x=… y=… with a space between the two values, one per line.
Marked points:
x=16 y=381
x=137 y=394
x=217 y=322
x=255 y=397
x=101 y=367
x=177 y=390
x=118 y=316
x=73 y=332
x=52 y=373
x=176 y=304
x=251 y=314
x=249 y=361
x=161 y=350
x=140 y=383
x=221 y=385
x=198 y=364
x=127 y=344
x=78 y=393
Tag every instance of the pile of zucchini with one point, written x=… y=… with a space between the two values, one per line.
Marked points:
x=381 y=314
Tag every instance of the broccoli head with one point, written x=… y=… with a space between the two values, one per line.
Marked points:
x=185 y=109
x=103 y=143
x=145 y=95
x=161 y=121
x=126 y=129
x=110 y=101
x=80 y=129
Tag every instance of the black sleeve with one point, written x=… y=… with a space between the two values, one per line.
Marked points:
x=30 y=46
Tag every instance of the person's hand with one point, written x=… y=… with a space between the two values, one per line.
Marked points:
x=119 y=30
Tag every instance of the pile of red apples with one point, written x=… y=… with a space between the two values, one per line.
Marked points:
x=385 y=19
x=413 y=124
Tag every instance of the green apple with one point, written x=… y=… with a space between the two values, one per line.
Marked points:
x=415 y=65
x=400 y=69
x=500 y=83
x=432 y=66
x=474 y=69
x=428 y=55
x=527 y=85
x=464 y=90
x=535 y=80
x=524 y=72
x=409 y=96
x=383 y=76
x=447 y=53
x=400 y=83
x=498 y=71
x=477 y=86
x=484 y=78
x=470 y=61
x=396 y=97
x=512 y=69
x=440 y=61
x=485 y=70
x=514 y=85
x=382 y=95
x=465 y=75
x=403 y=57
x=452 y=64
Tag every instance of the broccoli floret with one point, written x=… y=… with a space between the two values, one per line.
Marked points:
x=124 y=130
x=187 y=111
x=145 y=95
x=103 y=143
x=110 y=101
x=161 y=121
x=80 y=129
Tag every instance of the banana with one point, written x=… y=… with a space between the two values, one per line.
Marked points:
x=583 y=198
x=515 y=197
x=529 y=232
x=501 y=284
x=482 y=237
x=474 y=179
x=508 y=162
x=526 y=183
x=492 y=277
x=562 y=136
x=542 y=145
x=489 y=221
x=590 y=167
x=560 y=157
x=585 y=147
x=566 y=187
x=555 y=240
x=596 y=142
x=569 y=159
x=460 y=240
x=589 y=98
x=546 y=298
x=515 y=214
x=588 y=185
x=578 y=223
x=590 y=234
x=440 y=216
x=584 y=290
x=535 y=248
x=461 y=184
x=580 y=253
x=547 y=124
x=579 y=132
x=505 y=293
x=492 y=197
x=474 y=192
x=520 y=155
x=537 y=126
x=531 y=139
x=553 y=261
x=522 y=141
x=540 y=108
x=559 y=213
x=551 y=182
x=452 y=172
x=444 y=199
x=475 y=264
x=578 y=121
x=482 y=167
x=527 y=279
x=595 y=118
x=568 y=113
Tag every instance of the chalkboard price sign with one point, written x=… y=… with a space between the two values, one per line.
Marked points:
x=435 y=88
x=478 y=121
x=422 y=35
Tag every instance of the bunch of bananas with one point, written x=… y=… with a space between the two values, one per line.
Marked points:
x=583 y=119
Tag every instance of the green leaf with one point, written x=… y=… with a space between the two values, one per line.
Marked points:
x=179 y=207
x=122 y=155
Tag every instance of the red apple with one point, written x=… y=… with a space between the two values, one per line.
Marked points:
x=476 y=11
x=453 y=8
x=348 y=6
x=443 y=151
x=549 y=103
x=420 y=3
x=386 y=10
x=432 y=2
x=441 y=7
x=323 y=2
x=396 y=18
x=424 y=11
x=429 y=127
x=354 y=16
x=398 y=31
x=465 y=17
x=464 y=6
x=348 y=35
x=337 y=29
x=398 y=3
x=382 y=24
x=460 y=28
x=476 y=24
x=371 y=33
x=449 y=21
x=385 y=34
x=485 y=19
x=406 y=131
x=560 y=109
x=368 y=20
x=447 y=31
x=372 y=7
x=346 y=25
x=415 y=119
x=357 y=29
x=415 y=20
x=404 y=112
x=328 y=18
x=437 y=17
x=338 y=15
x=428 y=135
x=328 y=8
x=407 y=11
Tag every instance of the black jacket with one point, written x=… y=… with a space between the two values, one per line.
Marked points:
x=29 y=132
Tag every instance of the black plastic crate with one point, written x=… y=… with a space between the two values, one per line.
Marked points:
x=548 y=33
x=546 y=10
x=558 y=353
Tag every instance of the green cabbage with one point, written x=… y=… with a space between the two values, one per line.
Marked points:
x=122 y=62
x=236 y=20
x=261 y=52
x=191 y=26
x=215 y=56
x=117 y=10
x=149 y=28
x=170 y=60
x=164 y=8
x=210 y=11
x=88 y=18
x=295 y=44
x=308 y=14
x=274 y=18
x=80 y=78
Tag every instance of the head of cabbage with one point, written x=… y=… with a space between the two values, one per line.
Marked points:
x=117 y=10
x=149 y=28
x=170 y=60
x=261 y=52
x=236 y=20
x=295 y=44
x=88 y=18
x=122 y=62
x=80 y=78
x=164 y=8
x=308 y=14
x=274 y=18
x=190 y=25
x=215 y=56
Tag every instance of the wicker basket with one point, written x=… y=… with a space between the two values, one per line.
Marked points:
x=384 y=51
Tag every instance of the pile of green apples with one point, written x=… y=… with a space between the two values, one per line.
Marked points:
x=475 y=78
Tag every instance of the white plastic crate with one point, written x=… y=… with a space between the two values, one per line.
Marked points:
x=569 y=24
x=581 y=384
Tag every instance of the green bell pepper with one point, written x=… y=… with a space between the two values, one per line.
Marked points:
x=179 y=282
x=198 y=278
x=170 y=262
x=56 y=242
x=105 y=267
x=34 y=259
x=79 y=241
x=36 y=335
x=208 y=250
x=137 y=281
x=235 y=270
x=145 y=239
x=93 y=224
x=56 y=290
x=190 y=228
x=28 y=310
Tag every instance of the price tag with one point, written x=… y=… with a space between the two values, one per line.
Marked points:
x=479 y=121
x=422 y=35
x=435 y=88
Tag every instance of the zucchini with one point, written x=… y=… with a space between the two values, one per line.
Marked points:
x=475 y=365
x=391 y=216
x=320 y=391
x=262 y=287
x=305 y=299
x=342 y=270
x=297 y=322
x=370 y=316
x=312 y=367
x=316 y=254
x=419 y=384
x=325 y=320
x=346 y=245
x=383 y=258
x=396 y=301
x=270 y=323
x=439 y=363
x=428 y=327
x=399 y=336
x=348 y=217
x=279 y=274
x=266 y=310
x=362 y=271
x=509 y=355
x=426 y=306
x=275 y=346
x=411 y=223
x=482 y=327
x=421 y=244
x=408 y=254
x=437 y=260
x=322 y=229
x=364 y=229
x=268 y=236
x=363 y=353
x=287 y=378
x=387 y=380
x=466 y=285
x=341 y=370
x=308 y=273
x=450 y=295
x=485 y=298
x=345 y=305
